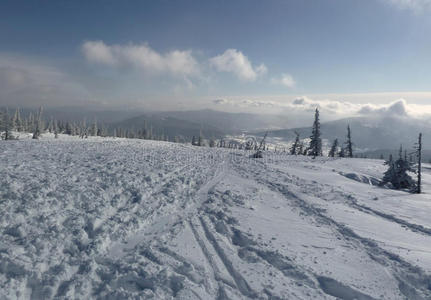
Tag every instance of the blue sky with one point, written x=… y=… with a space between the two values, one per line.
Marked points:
x=185 y=54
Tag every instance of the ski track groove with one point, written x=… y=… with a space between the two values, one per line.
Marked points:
x=241 y=283
x=402 y=271
x=399 y=267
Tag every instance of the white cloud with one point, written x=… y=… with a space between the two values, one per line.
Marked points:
x=98 y=52
x=414 y=5
x=176 y=62
x=236 y=62
x=285 y=79
x=221 y=101
x=396 y=108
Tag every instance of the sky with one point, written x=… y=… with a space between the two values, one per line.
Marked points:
x=242 y=55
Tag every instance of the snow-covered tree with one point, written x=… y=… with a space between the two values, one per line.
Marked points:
x=94 y=128
x=349 y=144
x=334 y=148
x=342 y=152
x=301 y=150
x=419 y=165
x=397 y=175
x=7 y=126
x=315 y=147
x=16 y=121
x=294 y=149
x=38 y=127
x=55 y=129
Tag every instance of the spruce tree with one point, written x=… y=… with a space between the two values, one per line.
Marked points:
x=16 y=121
x=38 y=125
x=94 y=128
x=419 y=165
x=349 y=145
x=55 y=128
x=315 y=148
x=334 y=148
x=7 y=125
x=294 y=149
x=397 y=175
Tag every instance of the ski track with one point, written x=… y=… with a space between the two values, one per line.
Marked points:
x=138 y=221
x=410 y=284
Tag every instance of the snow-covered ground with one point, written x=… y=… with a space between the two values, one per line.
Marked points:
x=119 y=219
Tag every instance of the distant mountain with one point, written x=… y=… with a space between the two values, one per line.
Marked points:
x=426 y=154
x=169 y=126
x=229 y=123
x=212 y=124
x=367 y=133
x=73 y=114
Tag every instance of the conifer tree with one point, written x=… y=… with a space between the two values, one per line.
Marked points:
x=334 y=148
x=7 y=126
x=315 y=148
x=419 y=166
x=294 y=149
x=301 y=150
x=55 y=129
x=16 y=121
x=349 y=144
x=94 y=128
x=397 y=175
x=38 y=125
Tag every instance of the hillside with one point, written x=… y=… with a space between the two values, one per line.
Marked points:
x=170 y=126
x=105 y=218
x=212 y=123
x=368 y=133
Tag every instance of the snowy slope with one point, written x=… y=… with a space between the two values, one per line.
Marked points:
x=117 y=219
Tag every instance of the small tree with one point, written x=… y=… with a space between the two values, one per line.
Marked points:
x=315 y=148
x=55 y=129
x=349 y=144
x=342 y=152
x=301 y=150
x=397 y=175
x=419 y=166
x=16 y=121
x=334 y=148
x=294 y=148
x=94 y=128
x=7 y=126
x=38 y=124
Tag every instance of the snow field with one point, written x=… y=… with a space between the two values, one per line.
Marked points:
x=105 y=218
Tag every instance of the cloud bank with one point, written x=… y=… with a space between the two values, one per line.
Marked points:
x=331 y=109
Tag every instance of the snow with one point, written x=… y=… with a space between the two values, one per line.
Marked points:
x=109 y=218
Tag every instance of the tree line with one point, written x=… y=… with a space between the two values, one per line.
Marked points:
x=397 y=174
